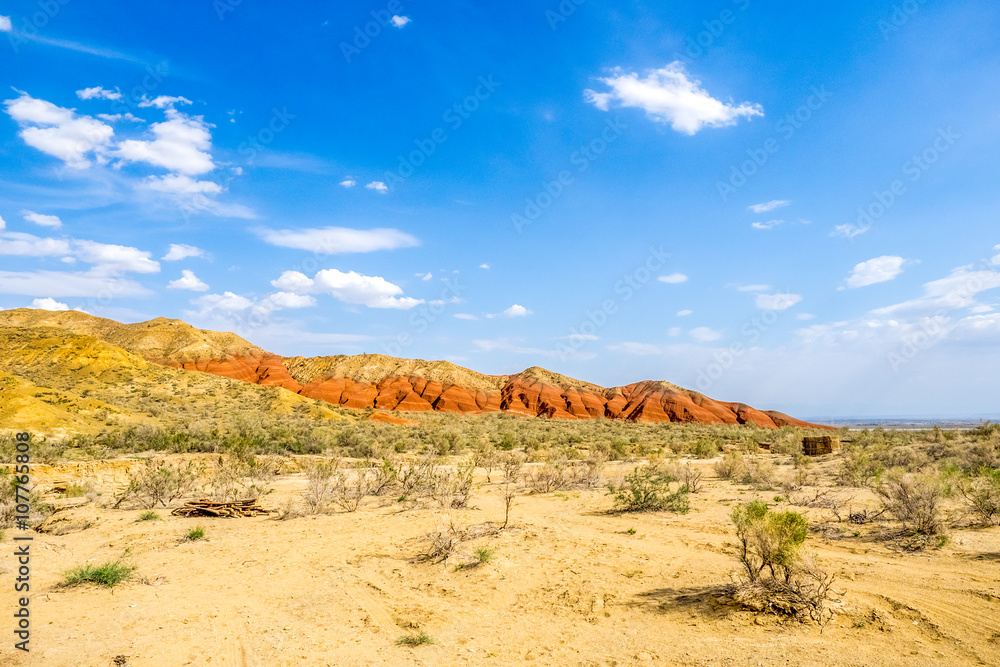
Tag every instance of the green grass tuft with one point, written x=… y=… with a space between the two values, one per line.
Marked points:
x=149 y=515
x=108 y=575
x=197 y=533
x=418 y=639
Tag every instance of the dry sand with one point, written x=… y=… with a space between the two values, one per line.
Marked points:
x=568 y=586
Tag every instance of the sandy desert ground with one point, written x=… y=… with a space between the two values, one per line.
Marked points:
x=568 y=585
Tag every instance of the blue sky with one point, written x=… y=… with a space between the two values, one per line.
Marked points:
x=789 y=205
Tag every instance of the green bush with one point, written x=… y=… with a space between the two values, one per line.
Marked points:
x=982 y=492
x=768 y=540
x=108 y=575
x=647 y=489
x=195 y=534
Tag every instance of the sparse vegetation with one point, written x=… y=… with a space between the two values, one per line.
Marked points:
x=148 y=515
x=158 y=482
x=417 y=639
x=195 y=534
x=109 y=574
x=485 y=554
x=647 y=489
x=915 y=500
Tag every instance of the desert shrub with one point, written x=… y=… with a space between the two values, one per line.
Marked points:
x=775 y=575
x=688 y=475
x=647 y=489
x=705 y=448
x=485 y=456
x=318 y=496
x=149 y=515
x=730 y=467
x=418 y=479
x=241 y=475
x=553 y=475
x=383 y=474
x=758 y=472
x=350 y=486
x=441 y=544
x=859 y=468
x=453 y=489
x=417 y=639
x=158 y=482
x=915 y=500
x=982 y=494
x=588 y=473
x=40 y=510
x=109 y=574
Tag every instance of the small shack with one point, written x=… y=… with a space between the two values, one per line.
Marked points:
x=818 y=445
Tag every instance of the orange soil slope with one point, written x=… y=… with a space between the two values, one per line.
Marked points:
x=389 y=383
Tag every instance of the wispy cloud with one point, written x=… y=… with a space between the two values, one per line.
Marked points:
x=673 y=279
x=338 y=240
x=769 y=206
x=873 y=271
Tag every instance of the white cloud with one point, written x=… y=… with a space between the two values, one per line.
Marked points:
x=777 y=301
x=3 y=224
x=673 y=279
x=669 y=96
x=194 y=195
x=516 y=311
x=806 y=316
x=5 y=24
x=982 y=308
x=424 y=276
x=705 y=334
x=42 y=220
x=400 y=21
x=878 y=270
x=63 y=284
x=348 y=183
x=957 y=290
x=487 y=266
x=684 y=313
x=338 y=240
x=182 y=185
x=226 y=303
x=109 y=258
x=769 y=206
x=27 y=245
x=350 y=287
x=48 y=303
x=163 y=102
x=465 y=316
x=188 y=281
x=115 y=117
x=179 y=251
x=58 y=131
x=378 y=186
x=753 y=288
x=182 y=144
x=285 y=300
x=848 y=231
x=99 y=93
x=770 y=224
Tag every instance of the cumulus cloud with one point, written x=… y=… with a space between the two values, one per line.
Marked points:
x=99 y=93
x=669 y=96
x=400 y=21
x=487 y=266
x=115 y=117
x=349 y=287
x=188 y=281
x=48 y=303
x=3 y=224
x=378 y=186
x=110 y=258
x=5 y=24
x=348 y=183
x=28 y=245
x=338 y=240
x=59 y=132
x=777 y=301
x=769 y=206
x=878 y=270
x=226 y=303
x=42 y=220
x=285 y=300
x=673 y=279
x=179 y=251
x=705 y=334
x=516 y=311
x=684 y=313
x=181 y=144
